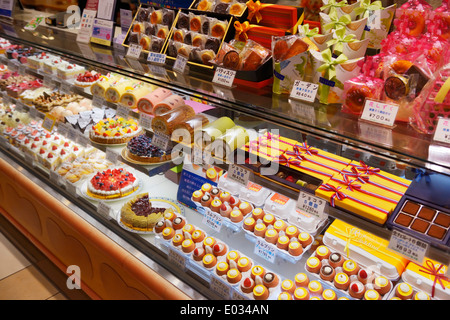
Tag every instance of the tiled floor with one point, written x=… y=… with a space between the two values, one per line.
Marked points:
x=26 y=274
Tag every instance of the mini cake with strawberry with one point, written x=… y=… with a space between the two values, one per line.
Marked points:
x=114 y=131
x=112 y=184
x=87 y=79
x=69 y=71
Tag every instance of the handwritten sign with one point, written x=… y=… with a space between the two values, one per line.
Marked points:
x=408 y=246
x=224 y=76
x=303 y=90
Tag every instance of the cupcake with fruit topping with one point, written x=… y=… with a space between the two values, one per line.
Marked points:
x=198 y=254
x=247 y=285
x=341 y=281
x=233 y=256
x=301 y=293
x=258 y=271
x=356 y=289
x=177 y=239
x=404 y=291
x=198 y=236
x=350 y=267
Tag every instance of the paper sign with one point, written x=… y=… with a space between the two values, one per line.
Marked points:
x=48 y=123
x=102 y=32
x=134 y=51
x=220 y=287
x=145 y=121
x=238 y=174
x=224 y=76
x=410 y=247
x=265 y=250
x=212 y=220
x=379 y=112
x=303 y=90
x=86 y=26
x=161 y=141
x=103 y=209
x=177 y=258
x=311 y=204
x=126 y=17
x=180 y=64
x=442 y=133
x=111 y=156
x=156 y=58
x=6 y=7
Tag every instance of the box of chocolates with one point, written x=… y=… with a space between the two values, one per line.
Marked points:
x=235 y=8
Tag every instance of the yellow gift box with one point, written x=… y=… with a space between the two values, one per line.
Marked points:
x=365 y=248
x=269 y=146
x=430 y=277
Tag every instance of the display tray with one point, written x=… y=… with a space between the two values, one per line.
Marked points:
x=85 y=194
x=157 y=202
x=124 y=155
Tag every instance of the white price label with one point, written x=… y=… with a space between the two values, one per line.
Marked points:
x=134 y=51
x=122 y=111
x=12 y=66
x=29 y=158
x=311 y=204
x=20 y=106
x=22 y=70
x=265 y=250
x=303 y=90
x=63 y=129
x=161 y=141
x=238 y=174
x=197 y=156
x=157 y=70
x=66 y=88
x=212 y=220
x=180 y=64
x=224 y=76
x=103 y=209
x=111 y=156
x=379 y=112
x=220 y=287
x=408 y=246
x=98 y=101
x=48 y=81
x=145 y=121
x=442 y=133
x=72 y=134
x=156 y=58
x=177 y=258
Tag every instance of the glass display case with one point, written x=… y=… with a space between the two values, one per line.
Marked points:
x=194 y=175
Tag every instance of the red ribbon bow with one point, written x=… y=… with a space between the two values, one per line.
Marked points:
x=367 y=169
x=438 y=277
x=337 y=194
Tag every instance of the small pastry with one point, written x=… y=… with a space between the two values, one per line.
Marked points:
x=211 y=174
x=206 y=200
x=215 y=205
x=336 y=260
x=260 y=229
x=169 y=215
x=245 y=207
x=234 y=201
x=236 y=8
x=244 y=264
x=168 y=233
x=295 y=248
x=156 y=17
x=215 y=192
x=178 y=223
x=178 y=35
x=145 y=43
x=371 y=294
x=197 y=195
x=271 y=236
x=257 y=271
x=404 y=291
x=209 y=242
x=305 y=239
x=288 y=286
x=327 y=273
x=284 y=296
x=260 y=292
x=350 y=267
x=198 y=236
x=270 y=280
x=258 y=214
x=224 y=196
x=236 y=215
x=382 y=285
x=363 y=276
x=199 y=40
x=206 y=187
x=356 y=289
x=209 y=260
x=247 y=285
x=313 y=264
x=159 y=226
x=249 y=224
x=283 y=242
x=341 y=281
x=329 y=294
x=195 y=23
x=198 y=254
x=301 y=293
x=218 y=29
x=421 y=295
x=219 y=249
x=178 y=239
x=315 y=287
x=189 y=228
x=188 y=246
x=280 y=225
x=301 y=280
x=322 y=252
x=292 y=231
x=269 y=219
x=314 y=245
x=234 y=275
x=222 y=268
x=233 y=256
x=225 y=210
x=204 y=5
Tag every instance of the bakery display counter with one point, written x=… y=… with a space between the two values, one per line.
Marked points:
x=165 y=185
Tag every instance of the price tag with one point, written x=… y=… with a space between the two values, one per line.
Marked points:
x=29 y=158
x=34 y=113
x=63 y=129
x=265 y=250
x=104 y=210
x=22 y=70
x=83 y=140
x=7 y=99
x=442 y=133
x=311 y=204
x=48 y=123
x=71 y=188
x=379 y=112
x=134 y=51
x=122 y=111
x=161 y=141
x=156 y=58
x=66 y=88
x=177 y=258
x=72 y=134
x=98 y=101
x=220 y=287
x=48 y=81
x=12 y=66
x=145 y=121
x=306 y=112
x=410 y=247
x=303 y=90
x=20 y=106
x=212 y=220
x=111 y=156
x=157 y=70
x=4 y=142
x=238 y=174
x=224 y=76
x=180 y=64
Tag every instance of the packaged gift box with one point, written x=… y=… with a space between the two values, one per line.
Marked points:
x=262 y=35
x=283 y=17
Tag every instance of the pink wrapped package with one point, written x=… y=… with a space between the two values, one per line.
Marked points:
x=433 y=102
x=439 y=22
x=412 y=16
x=357 y=89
